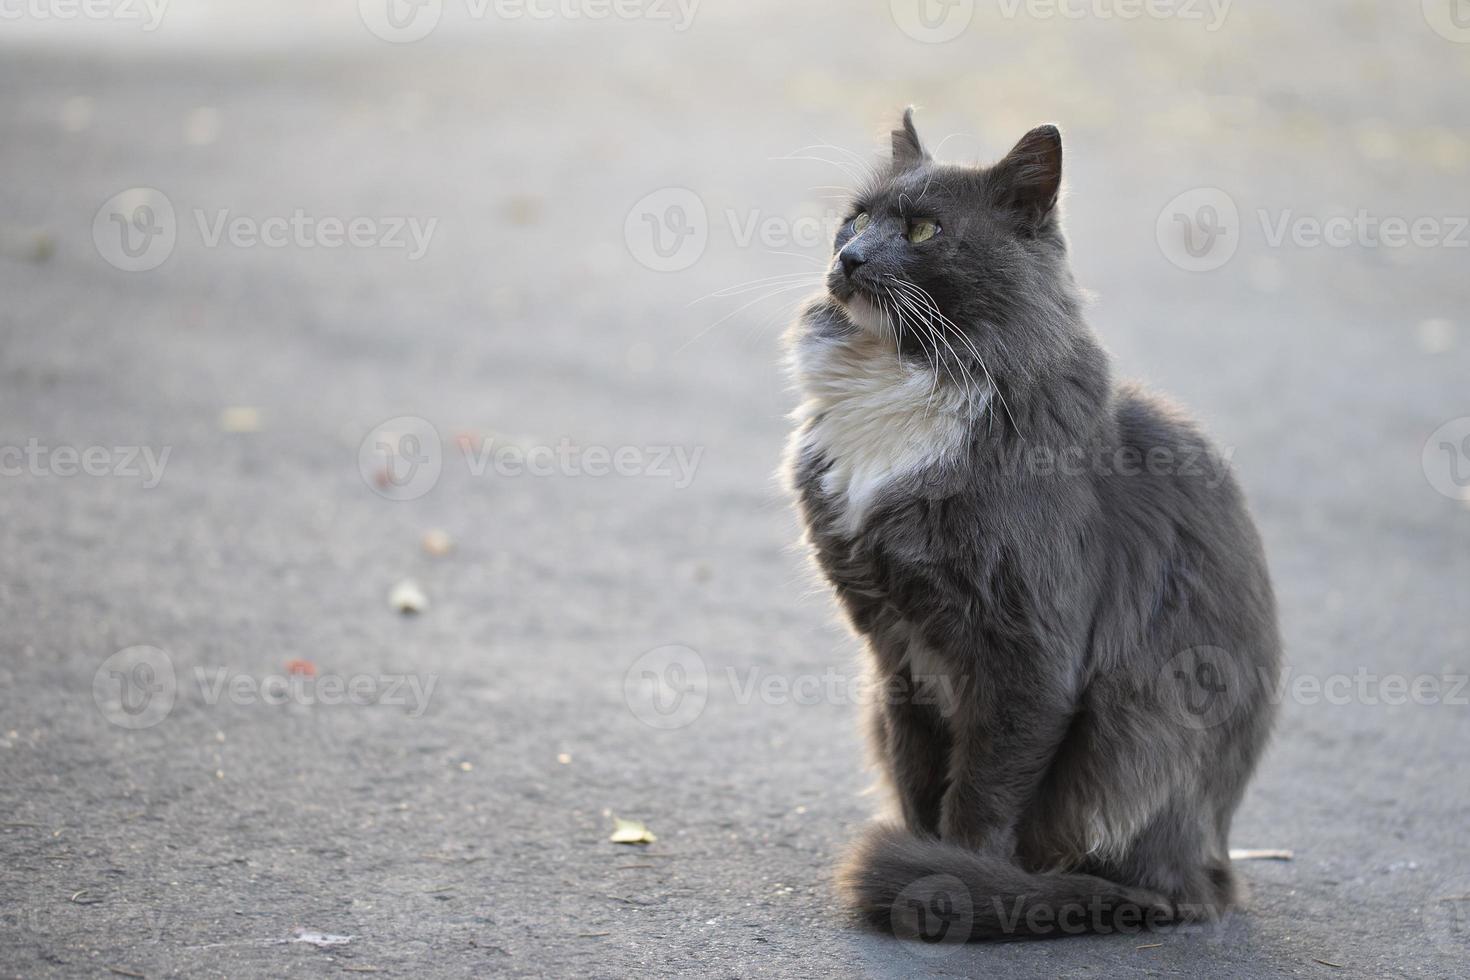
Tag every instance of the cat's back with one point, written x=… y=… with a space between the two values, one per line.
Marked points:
x=1163 y=455
x=1174 y=513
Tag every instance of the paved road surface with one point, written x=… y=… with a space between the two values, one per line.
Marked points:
x=183 y=811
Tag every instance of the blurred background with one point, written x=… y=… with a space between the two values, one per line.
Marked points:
x=390 y=415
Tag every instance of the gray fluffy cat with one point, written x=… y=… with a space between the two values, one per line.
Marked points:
x=1064 y=599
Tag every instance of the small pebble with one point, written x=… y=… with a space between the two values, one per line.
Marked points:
x=438 y=543
x=408 y=598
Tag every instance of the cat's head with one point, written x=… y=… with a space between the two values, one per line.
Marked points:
x=929 y=250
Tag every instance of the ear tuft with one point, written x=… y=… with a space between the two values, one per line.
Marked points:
x=1030 y=177
x=907 y=150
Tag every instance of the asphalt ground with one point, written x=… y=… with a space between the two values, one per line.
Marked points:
x=194 y=467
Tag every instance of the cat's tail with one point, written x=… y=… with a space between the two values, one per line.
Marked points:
x=922 y=888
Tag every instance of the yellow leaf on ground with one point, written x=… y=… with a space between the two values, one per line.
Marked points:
x=240 y=418
x=631 y=832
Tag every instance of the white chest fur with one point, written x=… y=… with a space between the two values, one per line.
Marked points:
x=875 y=416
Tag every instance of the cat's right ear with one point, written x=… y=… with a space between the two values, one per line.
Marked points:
x=908 y=152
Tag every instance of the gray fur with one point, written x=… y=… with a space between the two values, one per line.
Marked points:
x=1109 y=620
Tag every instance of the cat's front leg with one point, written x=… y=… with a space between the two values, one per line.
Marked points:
x=914 y=742
x=1004 y=740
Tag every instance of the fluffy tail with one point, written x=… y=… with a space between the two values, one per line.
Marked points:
x=925 y=889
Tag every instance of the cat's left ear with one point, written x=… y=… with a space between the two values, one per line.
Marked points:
x=1029 y=179
x=908 y=152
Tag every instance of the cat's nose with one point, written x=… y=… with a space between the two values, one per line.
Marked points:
x=851 y=259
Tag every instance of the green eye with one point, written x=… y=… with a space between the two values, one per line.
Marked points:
x=922 y=231
x=860 y=222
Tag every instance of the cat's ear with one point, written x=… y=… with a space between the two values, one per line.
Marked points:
x=1029 y=179
x=907 y=150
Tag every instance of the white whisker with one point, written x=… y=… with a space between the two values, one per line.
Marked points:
x=764 y=296
x=754 y=284
x=920 y=293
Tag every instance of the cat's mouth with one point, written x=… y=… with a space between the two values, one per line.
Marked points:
x=843 y=286
x=863 y=308
x=862 y=300
x=846 y=290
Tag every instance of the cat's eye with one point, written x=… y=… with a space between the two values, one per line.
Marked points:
x=860 y=222
x=922 y=231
